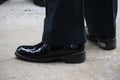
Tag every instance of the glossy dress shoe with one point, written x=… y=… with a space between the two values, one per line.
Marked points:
x=104 y=42
x=49 y=53
x=2 y=1
x=41 y=3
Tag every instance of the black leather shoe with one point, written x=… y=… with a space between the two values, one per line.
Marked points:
x=2 y=1
x=49 y=53
x=41 y=3
x=104 y=42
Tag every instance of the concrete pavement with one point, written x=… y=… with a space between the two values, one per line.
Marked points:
x=21 y=22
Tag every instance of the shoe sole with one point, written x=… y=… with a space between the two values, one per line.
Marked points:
x=1 y=2
x=71 y=58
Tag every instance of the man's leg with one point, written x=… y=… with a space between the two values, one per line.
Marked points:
x=63 y=37
x=100 y=16
x=64 y=22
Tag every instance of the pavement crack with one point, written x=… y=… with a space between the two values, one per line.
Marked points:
x=6 y=60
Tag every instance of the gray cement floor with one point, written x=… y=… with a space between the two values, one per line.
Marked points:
x=21 y=22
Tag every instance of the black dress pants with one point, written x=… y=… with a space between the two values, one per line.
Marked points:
x=64 y=22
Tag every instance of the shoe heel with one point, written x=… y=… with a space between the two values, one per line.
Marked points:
x=108 y=44
x=76 y=58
